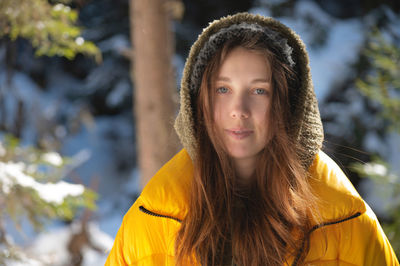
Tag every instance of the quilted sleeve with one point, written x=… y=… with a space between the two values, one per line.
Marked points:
x=118 y=255
x=367 y=243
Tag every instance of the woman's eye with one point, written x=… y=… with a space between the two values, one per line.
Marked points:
x=222 y=90
x=260 y=91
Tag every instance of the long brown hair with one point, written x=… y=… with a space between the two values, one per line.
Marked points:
x=268 y=221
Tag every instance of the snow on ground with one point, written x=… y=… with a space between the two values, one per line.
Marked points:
x=50 y=247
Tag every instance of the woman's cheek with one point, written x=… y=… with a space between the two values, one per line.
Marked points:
x=220 y=106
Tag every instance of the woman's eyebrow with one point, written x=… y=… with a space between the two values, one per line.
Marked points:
x=222 y=79
x=256 y=80
x=260 y=80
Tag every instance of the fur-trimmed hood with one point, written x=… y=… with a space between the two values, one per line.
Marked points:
x=305 y=125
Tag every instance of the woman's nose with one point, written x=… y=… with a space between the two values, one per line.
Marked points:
x=240 y=108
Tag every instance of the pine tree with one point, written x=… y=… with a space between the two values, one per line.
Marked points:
x=51 y=28
x=382 y=87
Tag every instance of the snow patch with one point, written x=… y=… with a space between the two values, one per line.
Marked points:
x=375 y=169
x=43 y=250
x=53 y=158
x=79 y=41
x=12 y=174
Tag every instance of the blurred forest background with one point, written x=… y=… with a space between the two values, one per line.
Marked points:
x=88 y=93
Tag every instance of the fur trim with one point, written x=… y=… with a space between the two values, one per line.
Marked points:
x=306 y=125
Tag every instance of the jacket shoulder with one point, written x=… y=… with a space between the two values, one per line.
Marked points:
x=350 y=232
x=148 y=230
x=357 y=241
x=337 y=198
x=143 y=239
x=167 y=192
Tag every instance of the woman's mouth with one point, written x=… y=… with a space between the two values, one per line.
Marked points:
x=239 y=133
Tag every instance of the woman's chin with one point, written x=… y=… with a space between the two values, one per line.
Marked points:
x=242 y=155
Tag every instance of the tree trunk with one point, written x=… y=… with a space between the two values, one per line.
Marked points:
x=155 y=97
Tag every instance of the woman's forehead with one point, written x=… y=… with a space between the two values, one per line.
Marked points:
x=240 y=61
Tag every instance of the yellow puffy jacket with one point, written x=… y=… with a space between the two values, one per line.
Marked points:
x=349 y=235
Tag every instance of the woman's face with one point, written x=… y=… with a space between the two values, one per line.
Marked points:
x=242 y=101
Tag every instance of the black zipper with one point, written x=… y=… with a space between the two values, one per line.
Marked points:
x=143 y=209
x=315 y=227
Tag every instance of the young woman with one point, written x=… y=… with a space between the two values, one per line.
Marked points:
x=251 y=186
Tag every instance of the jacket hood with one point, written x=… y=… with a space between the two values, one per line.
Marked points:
x=305 y=125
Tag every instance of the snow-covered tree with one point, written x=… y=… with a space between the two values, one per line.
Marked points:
x=32 y=188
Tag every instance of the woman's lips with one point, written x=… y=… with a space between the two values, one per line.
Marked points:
x=239 y=133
